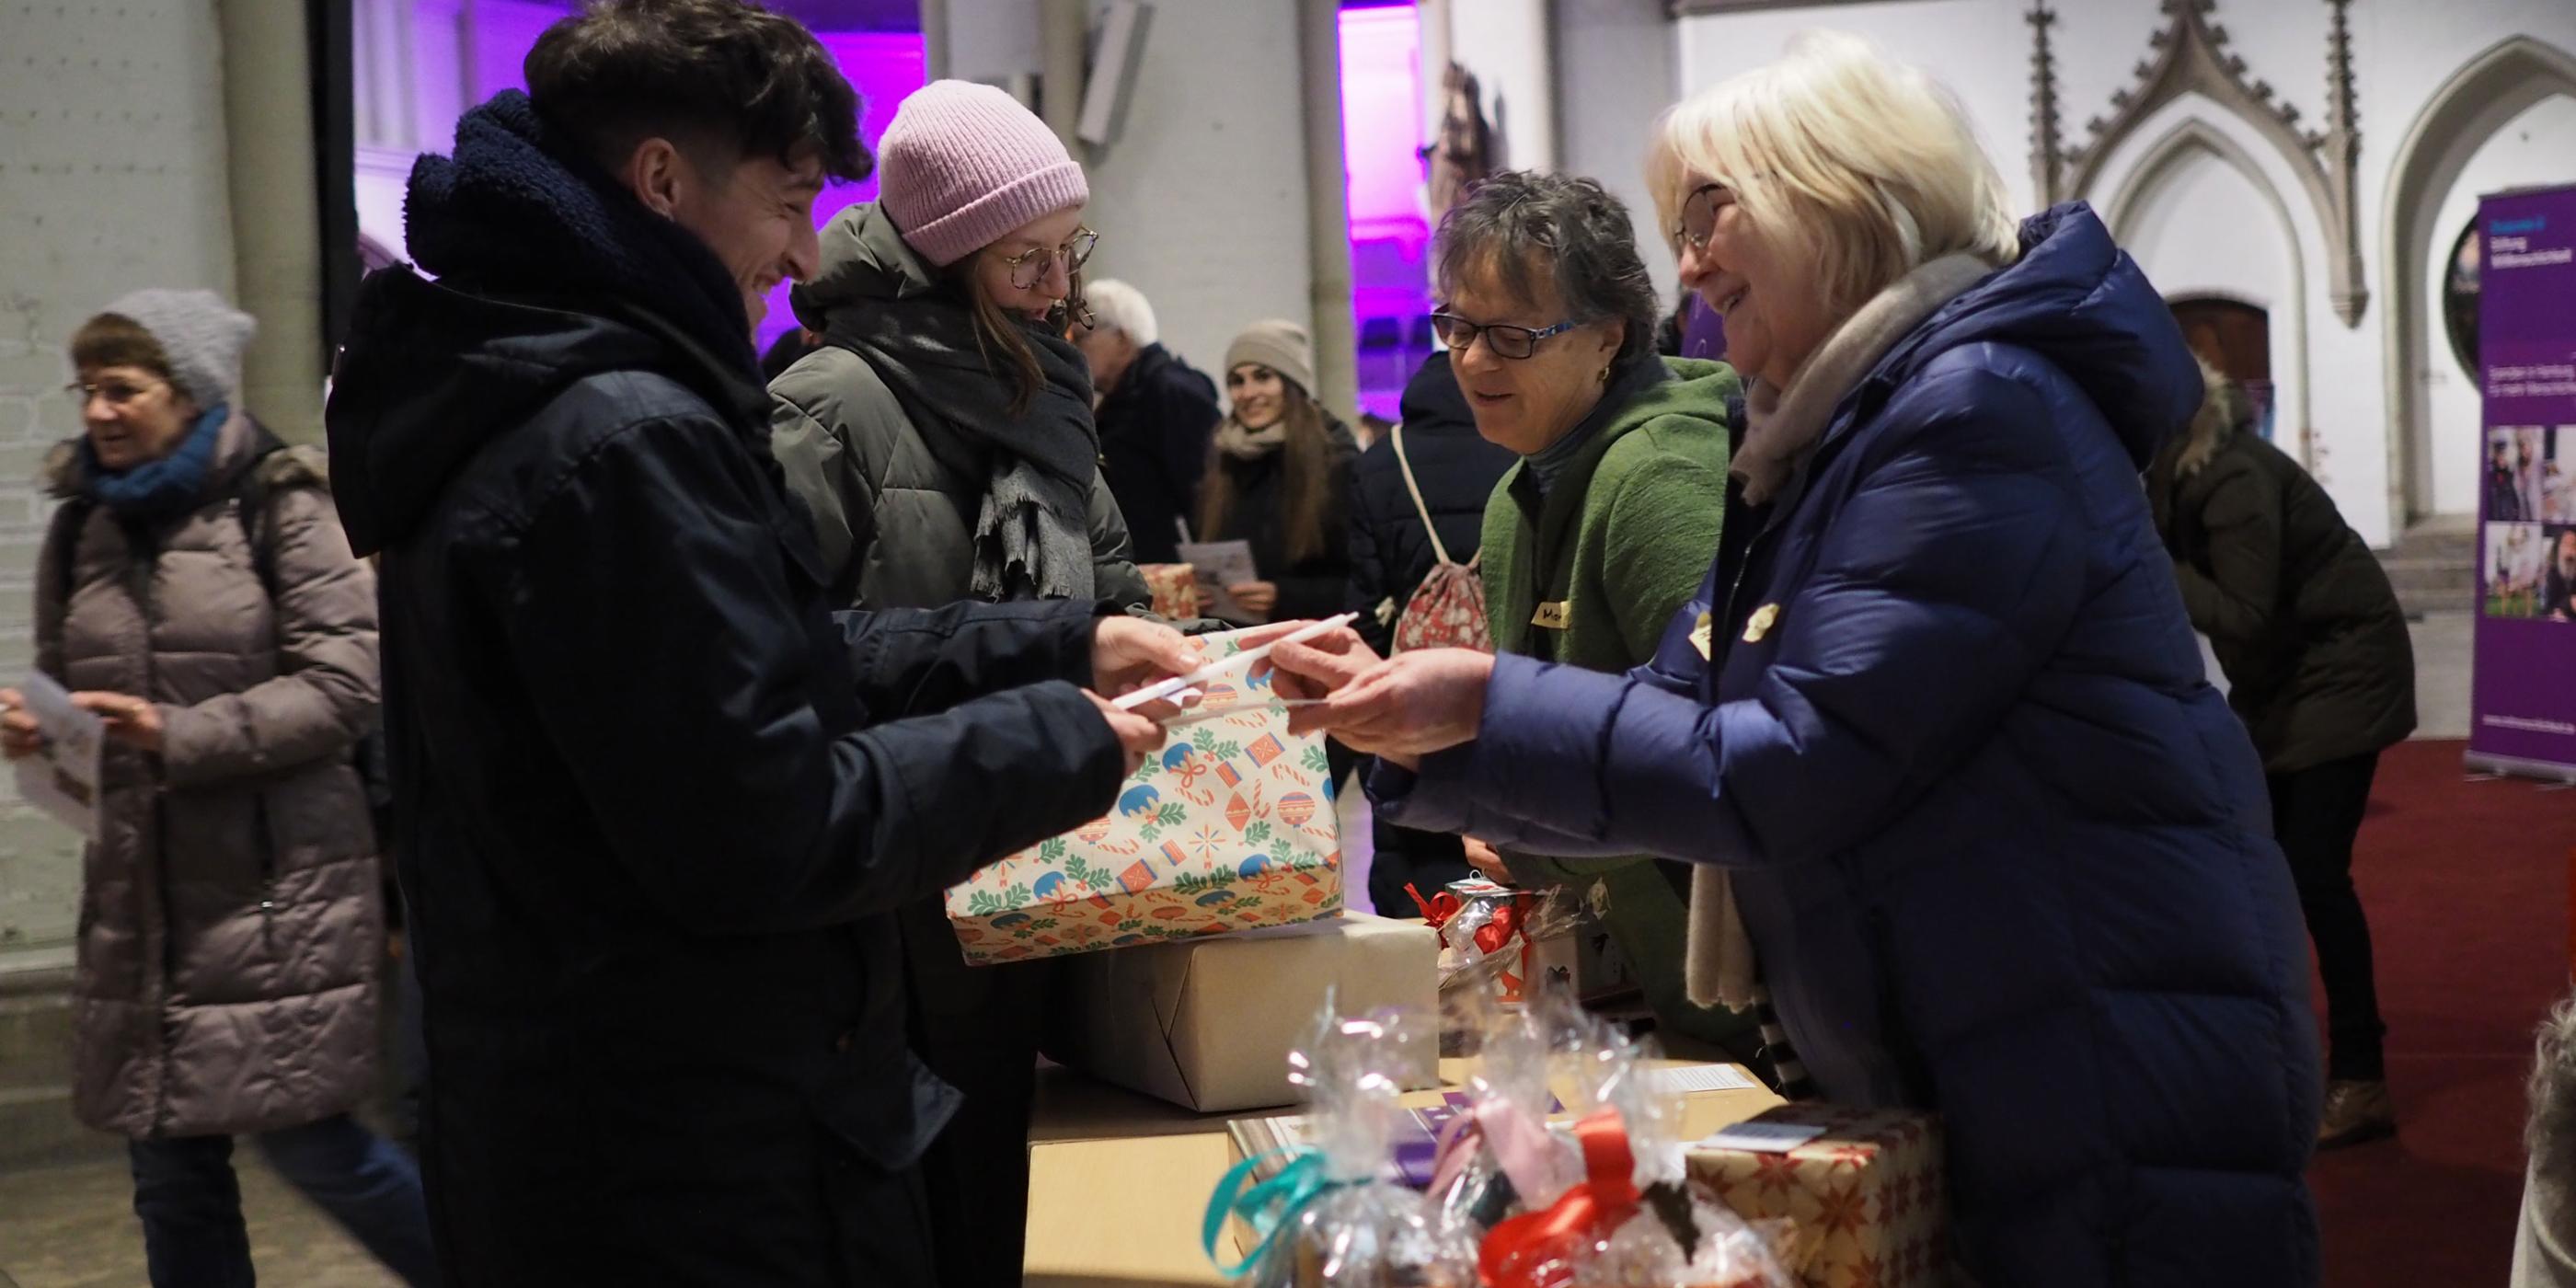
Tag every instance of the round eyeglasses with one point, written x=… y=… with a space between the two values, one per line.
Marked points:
x=1029 y=267
x=1699 y=214
x=1502 y=338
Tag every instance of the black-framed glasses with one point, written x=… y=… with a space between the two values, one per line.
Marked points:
x=1504 y=339
x=117 y=391
x=1699 y=214
x=1029 y=267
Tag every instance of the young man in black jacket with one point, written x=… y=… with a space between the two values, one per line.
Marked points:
x=653 y=800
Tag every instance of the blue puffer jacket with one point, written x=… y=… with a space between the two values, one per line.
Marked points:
x=2004 y=853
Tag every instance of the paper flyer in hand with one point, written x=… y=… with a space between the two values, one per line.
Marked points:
x=63 y=779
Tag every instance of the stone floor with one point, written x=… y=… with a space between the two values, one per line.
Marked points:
x=72 y=1226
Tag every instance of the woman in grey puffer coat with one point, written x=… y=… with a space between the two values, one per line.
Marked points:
x=196 y=593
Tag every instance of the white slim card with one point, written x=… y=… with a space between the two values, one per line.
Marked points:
x=1764 y=1138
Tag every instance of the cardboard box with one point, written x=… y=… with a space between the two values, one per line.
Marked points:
x=1864 y=1189
x=1207 y=1024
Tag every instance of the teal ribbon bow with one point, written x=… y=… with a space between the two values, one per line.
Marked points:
x=1269 y=1207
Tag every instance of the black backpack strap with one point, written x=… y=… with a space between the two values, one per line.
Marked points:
x=62 y=546
x=250 y=493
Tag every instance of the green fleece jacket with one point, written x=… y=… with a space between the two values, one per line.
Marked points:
x=1589 y=575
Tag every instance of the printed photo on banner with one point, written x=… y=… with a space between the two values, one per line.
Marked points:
x=2531 y=474
x=2531 y=571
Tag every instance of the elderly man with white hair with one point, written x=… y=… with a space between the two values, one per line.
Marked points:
x=1156 y=415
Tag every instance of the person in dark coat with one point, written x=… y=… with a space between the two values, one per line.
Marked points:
x=2320 y=666
x=947 y=412
x=2558 y=578
x=1390 y=551
x=1157 y=414
x=2002 y=850
x=655 y=802
x=1280 y=479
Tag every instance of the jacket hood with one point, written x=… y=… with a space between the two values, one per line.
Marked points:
x=431 y=374
x=1695 y=387
x=1433 y=403
x=863 y=260
x=2077 y=299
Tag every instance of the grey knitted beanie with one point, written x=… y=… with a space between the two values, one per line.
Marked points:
x=202 y=336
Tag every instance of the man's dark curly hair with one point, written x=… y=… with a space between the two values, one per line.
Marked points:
x=725 y=78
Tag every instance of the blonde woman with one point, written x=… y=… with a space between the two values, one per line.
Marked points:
x=1937 y=711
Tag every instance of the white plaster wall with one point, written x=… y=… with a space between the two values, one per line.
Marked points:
x=1201 y=201
x=2209 y=229
x=2401 y=54
x=111 y=178
x=1507 y=44
x=2536 y=147
x=1615 y=60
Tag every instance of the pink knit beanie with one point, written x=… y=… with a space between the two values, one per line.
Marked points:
x=962 y=164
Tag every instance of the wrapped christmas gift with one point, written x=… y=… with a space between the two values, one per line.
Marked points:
x=1863 y=1187
x=1175 y=587
x=1230 y=827
x=1203 y=1023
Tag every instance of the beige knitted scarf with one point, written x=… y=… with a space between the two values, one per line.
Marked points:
x=1782 y=425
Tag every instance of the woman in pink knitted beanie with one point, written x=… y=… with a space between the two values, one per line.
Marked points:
x=942 y=439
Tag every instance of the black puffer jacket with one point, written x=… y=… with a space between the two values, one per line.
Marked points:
x=1456 y=469
x=1154 y=430
x=1391 y=554
x=654 y=801
x=1309 y=587
x=2297 y=609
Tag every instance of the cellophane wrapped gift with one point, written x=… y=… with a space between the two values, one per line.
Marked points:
x=1175 y=587
x=1329 y=1209
x=1633 y=1219
x=1229 y=827
x=1865 y=1193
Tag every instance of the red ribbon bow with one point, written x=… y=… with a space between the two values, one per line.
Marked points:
x=1491 y=936
x=1537 y=1249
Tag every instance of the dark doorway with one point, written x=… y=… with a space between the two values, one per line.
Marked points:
x=2236 y=338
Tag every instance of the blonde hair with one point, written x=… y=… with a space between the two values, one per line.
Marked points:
x=1866 y=161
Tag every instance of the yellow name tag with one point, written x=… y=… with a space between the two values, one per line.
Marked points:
x=1759 y=624
x=1702 y=635
x=1551 y=615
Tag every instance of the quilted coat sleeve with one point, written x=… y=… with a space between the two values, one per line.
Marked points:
x=698 y=728
x=1114 y=577
x=825 y=473
x=325 y=695
x=1940 y=586
x=2234 y=598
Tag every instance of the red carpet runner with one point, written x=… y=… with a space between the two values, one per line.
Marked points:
x=2466 y=887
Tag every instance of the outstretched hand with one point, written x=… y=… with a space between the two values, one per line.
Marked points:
x=1401 y=708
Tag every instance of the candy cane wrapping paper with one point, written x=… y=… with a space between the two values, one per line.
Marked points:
x=1231 y=826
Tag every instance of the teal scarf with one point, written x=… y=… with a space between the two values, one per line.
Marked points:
x=172 y=484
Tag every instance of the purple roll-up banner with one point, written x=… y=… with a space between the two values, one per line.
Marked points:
x=2522 y=698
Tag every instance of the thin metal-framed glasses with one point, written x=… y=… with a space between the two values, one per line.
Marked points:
x=1699 y=214
x=118 y=393
x=1029 y=267
x=1504 y=339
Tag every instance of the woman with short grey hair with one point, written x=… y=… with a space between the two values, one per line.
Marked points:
x=1611 y=517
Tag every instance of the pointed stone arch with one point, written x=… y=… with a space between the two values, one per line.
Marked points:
x=2487 y=91
x=2189 y=56
x=2195 y=138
